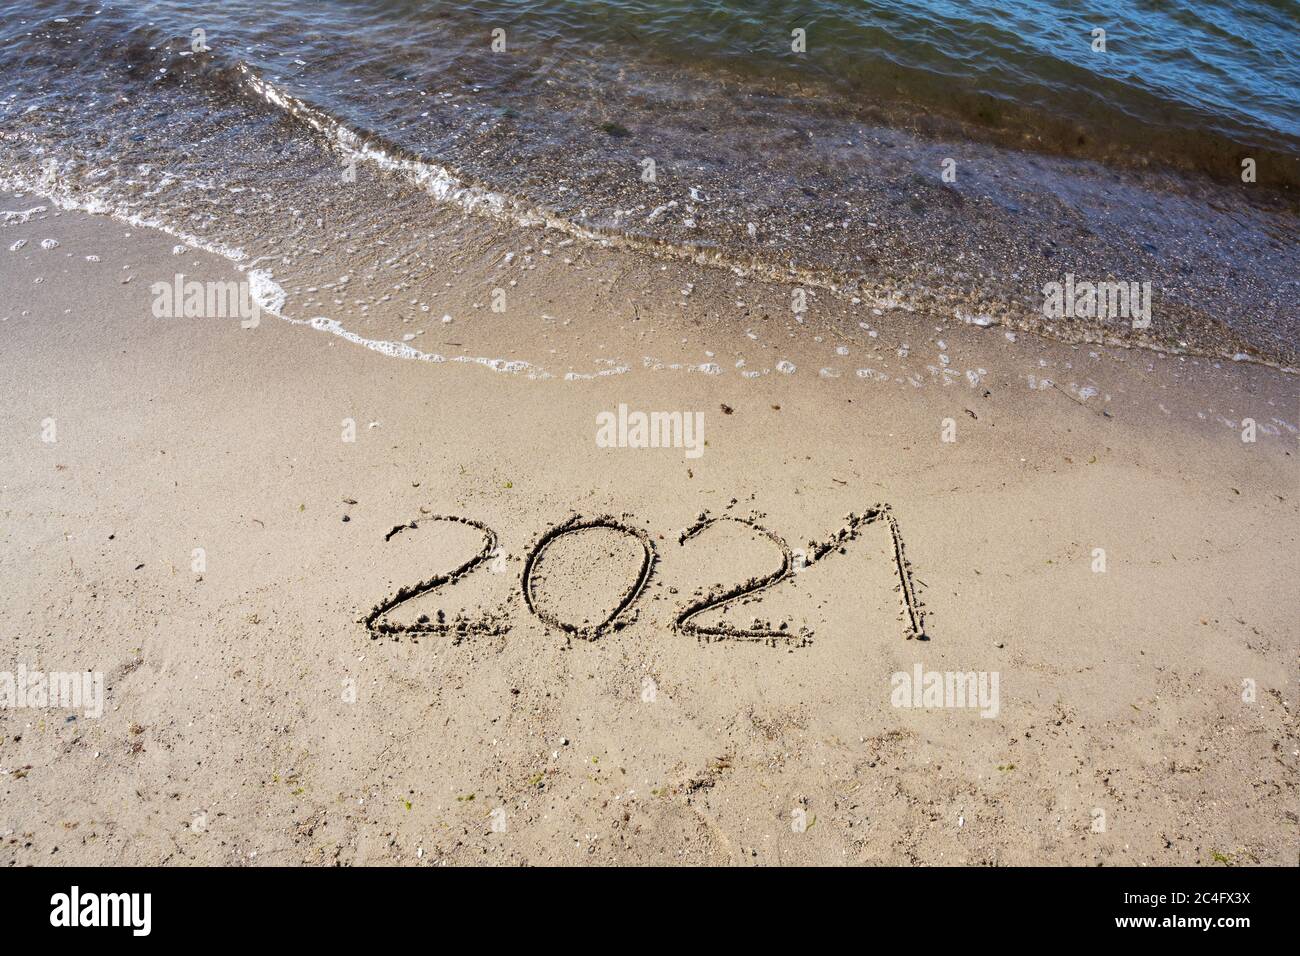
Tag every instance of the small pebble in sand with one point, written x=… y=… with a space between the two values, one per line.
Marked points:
x=49 y=243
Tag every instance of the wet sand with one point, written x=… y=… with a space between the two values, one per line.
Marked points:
x=251 y=716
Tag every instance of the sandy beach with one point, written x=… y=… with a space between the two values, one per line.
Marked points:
x=205 y=514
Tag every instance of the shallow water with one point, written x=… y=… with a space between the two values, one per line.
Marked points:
x=693 y=131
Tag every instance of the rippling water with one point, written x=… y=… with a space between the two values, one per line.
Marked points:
x=822 y=165
x=1203 y=75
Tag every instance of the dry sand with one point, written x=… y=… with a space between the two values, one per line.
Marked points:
x=250 y=717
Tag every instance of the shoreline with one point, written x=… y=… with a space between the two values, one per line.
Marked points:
x=271 y=295
x=1119 y=691
x=871 y=212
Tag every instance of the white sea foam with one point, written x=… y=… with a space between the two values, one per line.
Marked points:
x=20 y=215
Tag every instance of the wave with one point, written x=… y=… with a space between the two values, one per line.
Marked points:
x=778 y=188
x=450 y=186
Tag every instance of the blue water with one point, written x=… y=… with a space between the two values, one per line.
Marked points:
x=1233 y=65
x=1199 y=81
x=1125 y=161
